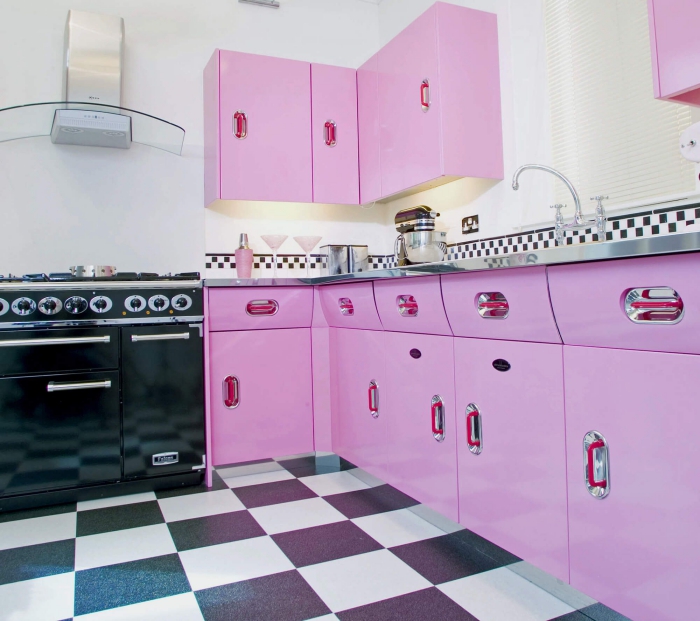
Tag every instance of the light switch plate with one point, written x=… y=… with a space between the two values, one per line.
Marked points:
x=470 y=224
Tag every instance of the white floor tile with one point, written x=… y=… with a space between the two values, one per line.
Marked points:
x=260 y=478
x=199 y=505
x=241 y=471
x=232 y=562
x=333 y=483
x=501 y=595
x=296 y=515
x=396 y=528
x=115 y=501
x=122 y=546
x=362 y=579
x=42 y=599
x=366 y=477
x=37 y=530
x=181 y=607
x=325 y=618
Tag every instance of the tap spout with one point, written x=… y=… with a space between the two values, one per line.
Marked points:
x=578 y=214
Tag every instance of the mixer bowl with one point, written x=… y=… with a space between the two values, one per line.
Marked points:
x=425 y=246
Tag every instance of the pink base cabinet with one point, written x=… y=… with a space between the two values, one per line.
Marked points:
x=359 y=398
x=419 y=373
x=260 y=394
x=637 y=549
x=510 y=445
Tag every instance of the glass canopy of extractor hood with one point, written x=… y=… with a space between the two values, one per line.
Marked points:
x=37 y=119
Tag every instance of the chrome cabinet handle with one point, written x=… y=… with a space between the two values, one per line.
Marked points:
x=64 y=386
x=373 y=394
x=346 y=307
x=654 y=305
x=179 y=336
x=474 y=430
x=232 y=392
x=437 y=417
x=492 y=305
x=330 y=130
x=596 y=464
x=262 y=308
x=425 y=95
x=78 y=340
x=407 y=306
x=240 y=124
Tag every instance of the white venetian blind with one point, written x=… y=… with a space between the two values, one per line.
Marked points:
x=609 y=135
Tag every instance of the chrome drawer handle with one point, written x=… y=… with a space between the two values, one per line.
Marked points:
x=492 y=305
x=596 y=464
x=78 y=340
x=407 y=306
x=654 y=305
x=474 y=430
x=64 y=386
x=180 y=336
x=262 y=308
x=346 y=307
x=437 y=416
x=232 y=392
x=373 y=394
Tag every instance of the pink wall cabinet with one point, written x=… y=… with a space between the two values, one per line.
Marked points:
x=675 y=50
x=648 y=303
x=262 y=150
x=350 y=306
x=634 y=514
x=359 y=397
x=334 y=134
x=501 y=304
x=420 y=418
x=440 y=101
x=368 y=130
x=510 y=446
x=249 y=420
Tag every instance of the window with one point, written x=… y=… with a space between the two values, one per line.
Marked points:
x=609 y=135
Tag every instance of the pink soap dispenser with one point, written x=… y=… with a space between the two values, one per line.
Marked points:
x=244 y=258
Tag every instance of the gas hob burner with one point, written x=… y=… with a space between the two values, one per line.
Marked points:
x=119 y=277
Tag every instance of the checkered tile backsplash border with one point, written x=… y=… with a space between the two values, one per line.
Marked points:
x=666 y=221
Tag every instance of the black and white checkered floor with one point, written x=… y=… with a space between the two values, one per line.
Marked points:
x=304 y=537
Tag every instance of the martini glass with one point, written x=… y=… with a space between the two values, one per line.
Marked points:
x=274 y=242
x=308 y=243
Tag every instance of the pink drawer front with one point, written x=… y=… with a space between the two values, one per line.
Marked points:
x=511 y=305
x=350 y=306
x=661 y=295
x=260 y=308
x=412 y=305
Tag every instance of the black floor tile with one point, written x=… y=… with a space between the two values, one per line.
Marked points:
x=26 y=514
x=281 y=597
x=29 y=562
x=443 y=559
x=319 y=544
x=118 y=518
x=214 y=529
x=311 y=466
x=425 y=605
x=129 y=583
x=572 y=616
x=273 y=493
x=370 y=501
x=217 y=483
x=600 y=612
x=478 y=543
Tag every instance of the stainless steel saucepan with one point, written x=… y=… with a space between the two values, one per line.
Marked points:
x=90 y=271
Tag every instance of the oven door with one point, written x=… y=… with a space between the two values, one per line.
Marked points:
x=163 y=399
x=59 y=431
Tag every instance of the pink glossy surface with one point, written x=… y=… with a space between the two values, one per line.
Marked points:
x=417 y=464
x=368 y=131
x=274 y=162
x=361 y=295
x=638 y=550
x=409 y=138
x=275 y=413
x=321 y=367
x=357 y=358
x=470 y=92
x=431 y=318
x=514 y=492
x=227 y=308
x=588 y=303
x=530 y=316
x=334 y=97
x=212 y=180
x=675 y=48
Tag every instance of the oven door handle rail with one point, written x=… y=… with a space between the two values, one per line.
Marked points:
x=180 y=336
x=77 y=340
x=64 y=386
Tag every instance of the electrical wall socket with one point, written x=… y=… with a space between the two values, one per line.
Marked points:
x=470 y=224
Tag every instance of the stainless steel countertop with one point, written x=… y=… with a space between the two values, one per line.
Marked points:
x=578 y=253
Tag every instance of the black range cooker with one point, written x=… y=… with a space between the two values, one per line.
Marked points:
x=101 y=386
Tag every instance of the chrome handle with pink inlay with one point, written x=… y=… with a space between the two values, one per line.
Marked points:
x=232 y=392
x=346 y=307
x=492 y=305
x=425 y=95
x=262 y=308
x=596 y=464
x=407 y=306
x=654 y=305
x=474 y=430
x=373 y=394
x=437 y=417
x=330 y=130
x=240 y=124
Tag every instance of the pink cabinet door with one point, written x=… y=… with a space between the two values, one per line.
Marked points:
x=510 y=447
x=675 y=49
x=409 y=106
x=638 y=548
x=265 y=125
x=368 y=131
x=420 y=415
x=334 y=134
x=359 y=398
x=260 y=394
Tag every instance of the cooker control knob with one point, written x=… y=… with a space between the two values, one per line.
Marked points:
x=76 y=305
x=182 y=302
x=100 y=304
x=50 y=306
x=23 y=306
x=135 y=303
x=158 y=303
x=4 y=306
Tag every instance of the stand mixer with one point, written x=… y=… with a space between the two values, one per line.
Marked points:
x=418 y=241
